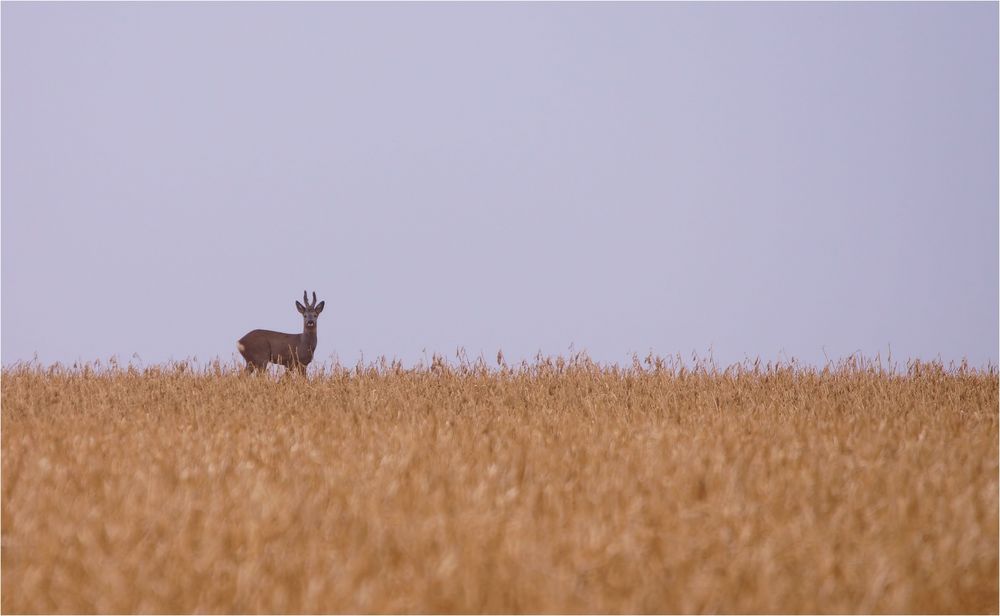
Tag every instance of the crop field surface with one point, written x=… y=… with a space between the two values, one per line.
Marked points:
x=560 y=486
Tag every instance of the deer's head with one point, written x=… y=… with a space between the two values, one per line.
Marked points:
x=310 y=312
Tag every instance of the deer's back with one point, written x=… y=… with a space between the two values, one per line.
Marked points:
x=265 y=339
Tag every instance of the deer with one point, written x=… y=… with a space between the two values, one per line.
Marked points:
x=293 y=351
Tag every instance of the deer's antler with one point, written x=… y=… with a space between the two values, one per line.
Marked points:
x=314 y=299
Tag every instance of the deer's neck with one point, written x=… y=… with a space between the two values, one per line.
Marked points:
x=308 y=337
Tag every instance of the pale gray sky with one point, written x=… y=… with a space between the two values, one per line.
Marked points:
x=774 y=180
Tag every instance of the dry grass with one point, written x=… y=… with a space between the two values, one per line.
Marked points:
x=556 y=487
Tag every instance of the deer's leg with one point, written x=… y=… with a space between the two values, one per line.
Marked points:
x=254 y=367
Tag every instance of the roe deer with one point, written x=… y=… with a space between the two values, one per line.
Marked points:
x=293 y=351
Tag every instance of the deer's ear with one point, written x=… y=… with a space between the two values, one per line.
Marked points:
x=301 y=308
x=319 y=307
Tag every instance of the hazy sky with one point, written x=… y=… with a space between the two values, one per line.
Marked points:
x=774 y=180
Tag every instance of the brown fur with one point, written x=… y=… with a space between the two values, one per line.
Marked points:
x=293 y=351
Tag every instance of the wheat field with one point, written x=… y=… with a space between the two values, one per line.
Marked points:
x=556 y=486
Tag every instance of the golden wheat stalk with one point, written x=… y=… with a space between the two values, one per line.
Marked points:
x=556 y=486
